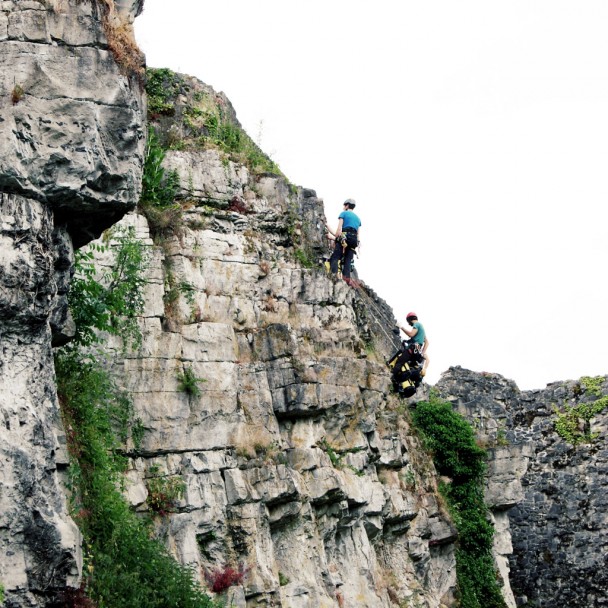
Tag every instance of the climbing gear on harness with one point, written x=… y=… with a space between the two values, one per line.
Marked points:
x=406 y=368
x=349 y=238
x=353 y=270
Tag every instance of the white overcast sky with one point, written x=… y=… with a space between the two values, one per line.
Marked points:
x=473 y=135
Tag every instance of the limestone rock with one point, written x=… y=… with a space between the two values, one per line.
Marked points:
x=548 y=496
x=297 y=461
x=71 y=149
x=71 y=133
x=39 y=545
x=285 y=470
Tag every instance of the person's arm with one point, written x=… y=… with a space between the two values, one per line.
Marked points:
x=410 y=333
x=333 y=235
x=338 y=231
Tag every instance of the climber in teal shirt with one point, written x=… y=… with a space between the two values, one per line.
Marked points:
x=417 y=335
x=347 y=240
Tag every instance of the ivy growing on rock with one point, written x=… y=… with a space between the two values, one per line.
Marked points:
x=126 y=566
x=162 y=87
x=159 y=190
x=451 y=440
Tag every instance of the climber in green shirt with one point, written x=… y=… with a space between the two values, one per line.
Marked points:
x=417 y=335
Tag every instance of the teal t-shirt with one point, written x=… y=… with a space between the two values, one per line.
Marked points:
x=350 y=220
x=420 y=335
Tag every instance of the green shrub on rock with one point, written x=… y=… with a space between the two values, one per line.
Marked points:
x=126 y=566
x=451 y=440
x=573 y=423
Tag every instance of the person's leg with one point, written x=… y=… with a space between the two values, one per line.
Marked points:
x=425 y=363
x=347 y=260
x=335 y=258
x=404 y=358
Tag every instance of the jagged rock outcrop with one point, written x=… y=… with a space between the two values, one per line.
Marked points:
x=71 y=146
x=39 y=544
x=71 y=130
x=550 y=494
x=560 y=528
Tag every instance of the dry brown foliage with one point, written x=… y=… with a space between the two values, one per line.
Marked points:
x=119 y=33
x=121 y=42
x=17 y=94
x=257 y=442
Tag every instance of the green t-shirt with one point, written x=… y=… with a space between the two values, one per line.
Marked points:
x=420 y=334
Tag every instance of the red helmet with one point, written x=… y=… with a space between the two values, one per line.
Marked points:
x=410 y=315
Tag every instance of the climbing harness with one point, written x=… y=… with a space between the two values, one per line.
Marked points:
x=406 y=368
x=349 y=238
x=406 y=364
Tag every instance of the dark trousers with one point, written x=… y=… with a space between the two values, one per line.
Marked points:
x=346 y=255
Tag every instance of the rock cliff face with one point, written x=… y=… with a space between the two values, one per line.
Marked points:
x=66 y=173
x=560 y=528
x=71 y=128
x=556 y=492
x=261 y=380
x=297 y=460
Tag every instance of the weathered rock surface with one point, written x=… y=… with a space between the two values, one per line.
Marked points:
x=560 y=528
x=550 y=494
x=71 y=144
x=296 y=460
x=39 y=544
x=71 y=126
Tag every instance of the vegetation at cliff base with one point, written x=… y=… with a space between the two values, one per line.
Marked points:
x=451 y=440
x=125 y=566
